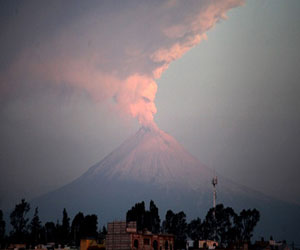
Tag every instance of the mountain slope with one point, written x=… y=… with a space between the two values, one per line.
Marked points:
x=153 y=165
x=151 y=156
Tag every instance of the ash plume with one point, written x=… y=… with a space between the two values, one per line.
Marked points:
x=113 y=50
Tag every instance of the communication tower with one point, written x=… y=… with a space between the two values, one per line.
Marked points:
x=214 y=183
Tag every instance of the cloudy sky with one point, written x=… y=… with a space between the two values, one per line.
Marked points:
x=222 y=77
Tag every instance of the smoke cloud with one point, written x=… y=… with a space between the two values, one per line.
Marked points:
x=114 y=50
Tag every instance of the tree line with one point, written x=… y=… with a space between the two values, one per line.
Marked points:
x=33 y=232
x=222 y=224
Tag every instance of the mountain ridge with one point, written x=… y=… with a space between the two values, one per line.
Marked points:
x=166 y=160
x=151 y=164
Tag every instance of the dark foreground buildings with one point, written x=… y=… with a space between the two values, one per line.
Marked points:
x=124 y=236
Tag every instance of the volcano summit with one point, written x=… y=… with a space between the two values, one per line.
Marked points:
x=152 y=165
x=151 y=157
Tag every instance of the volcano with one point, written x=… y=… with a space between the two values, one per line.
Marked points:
x=152 y=165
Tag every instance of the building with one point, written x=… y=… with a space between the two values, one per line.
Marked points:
x=17 y=246
x=270 y=245
x=124 y=236
x=210 y=244
x=90 y=243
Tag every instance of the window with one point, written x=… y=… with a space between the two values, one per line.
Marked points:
x=166 y=245
x=146 y=241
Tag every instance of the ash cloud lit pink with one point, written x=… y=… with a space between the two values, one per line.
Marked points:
x=116 y=56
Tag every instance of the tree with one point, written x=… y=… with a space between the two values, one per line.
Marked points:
x=219 y=224
x=246 y=223
x=145 y=219
x=176 y=224
x=77 y=228
x=90 y=226
x=154 y=218
x=137 y=213
x=2 y=229
x=50 y=231
x=35 y=228
x=65 y=227
x=19 y=221
x=195 y=230
x=229 y=233
x=102 y=234
x=104 y=230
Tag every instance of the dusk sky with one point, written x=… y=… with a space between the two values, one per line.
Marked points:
x=77 y=78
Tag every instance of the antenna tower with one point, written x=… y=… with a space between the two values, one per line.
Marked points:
x=214 y=183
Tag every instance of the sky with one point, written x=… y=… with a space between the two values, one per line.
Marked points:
x=219 y=76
